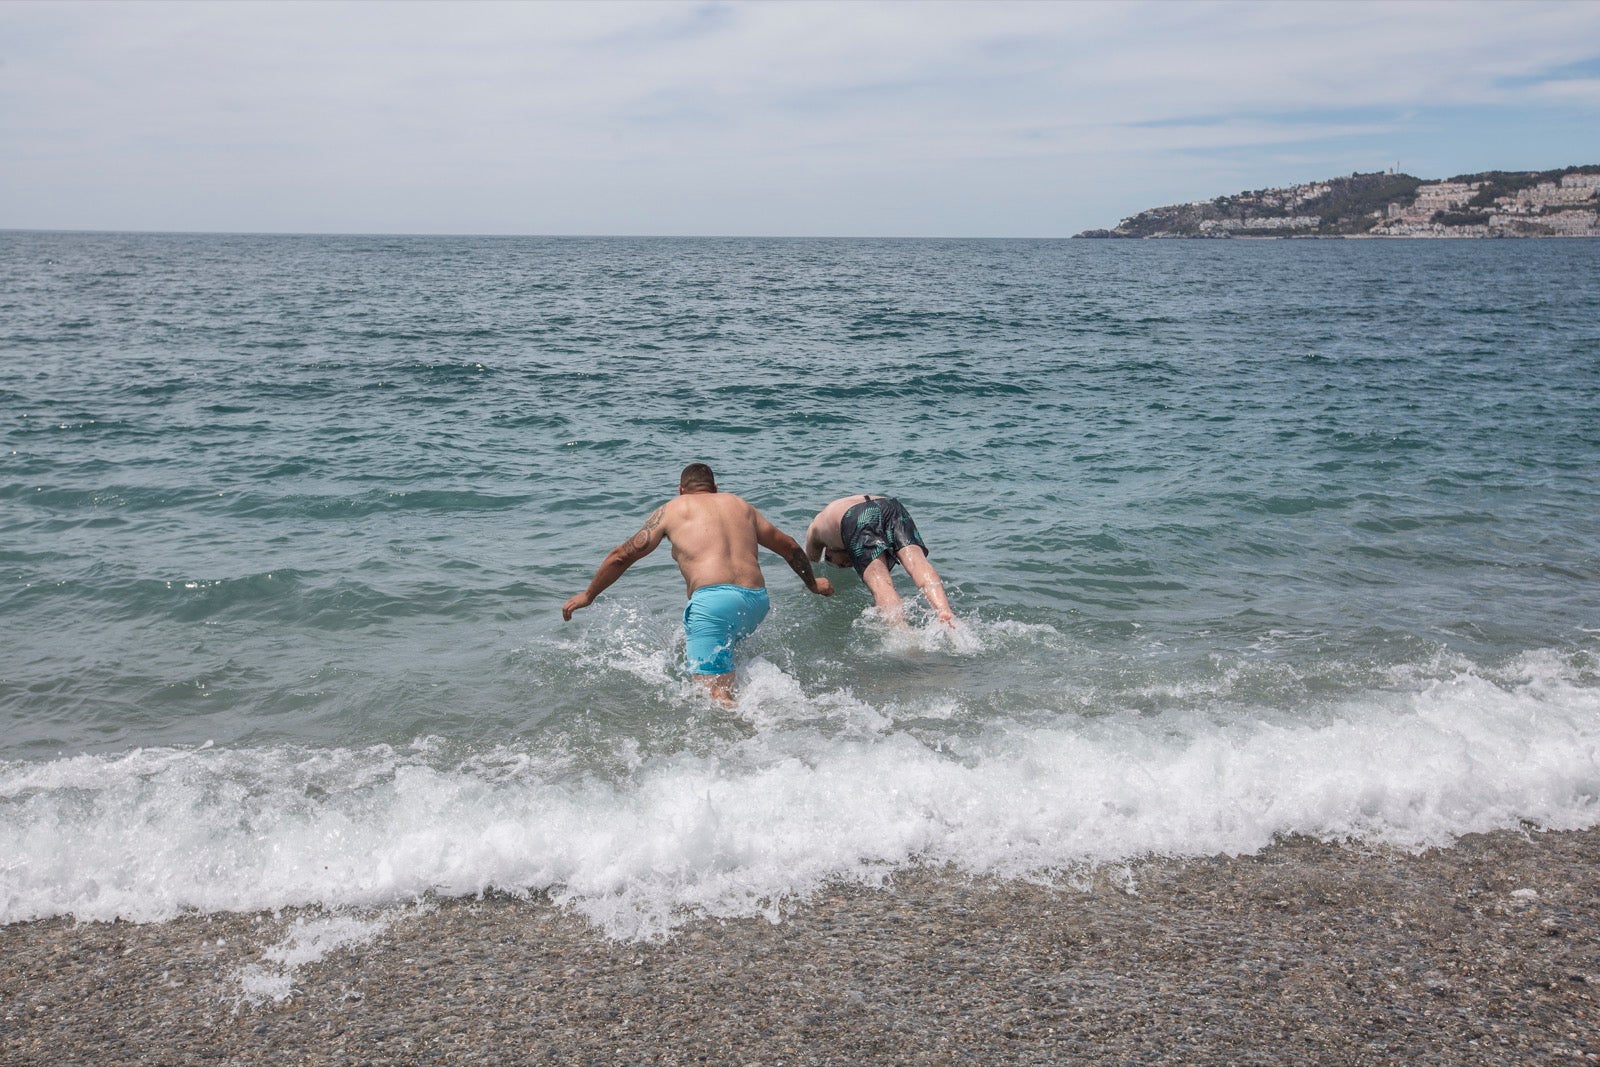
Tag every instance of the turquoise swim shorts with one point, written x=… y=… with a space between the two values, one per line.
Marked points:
x=716 y=618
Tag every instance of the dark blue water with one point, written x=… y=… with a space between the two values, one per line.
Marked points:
x=1247 y=538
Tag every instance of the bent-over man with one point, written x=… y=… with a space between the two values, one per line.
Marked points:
x=872 y=534
x=714 y=538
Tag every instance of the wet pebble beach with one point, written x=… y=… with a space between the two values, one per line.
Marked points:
x=1487 y=952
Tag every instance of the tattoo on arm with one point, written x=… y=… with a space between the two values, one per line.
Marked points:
x=802 y=566
x=639 y=543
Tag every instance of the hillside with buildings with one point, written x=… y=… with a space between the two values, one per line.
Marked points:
x=1553 y=203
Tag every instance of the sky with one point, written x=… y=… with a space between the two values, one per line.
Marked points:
x=770 y=118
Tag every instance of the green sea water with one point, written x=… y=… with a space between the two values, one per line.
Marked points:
x=1247 y=538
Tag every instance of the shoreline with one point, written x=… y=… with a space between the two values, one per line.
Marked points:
x=1487 y=952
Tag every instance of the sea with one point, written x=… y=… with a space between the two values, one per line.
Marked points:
x=1247 y=540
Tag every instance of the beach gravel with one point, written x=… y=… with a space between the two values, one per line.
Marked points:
x=1487 y=952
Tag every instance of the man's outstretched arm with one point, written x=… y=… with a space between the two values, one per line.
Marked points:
x=617 y=561
x=770 y=537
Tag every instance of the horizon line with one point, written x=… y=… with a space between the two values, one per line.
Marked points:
x=545 y=236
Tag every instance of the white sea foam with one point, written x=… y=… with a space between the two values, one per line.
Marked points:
x=823 y=787
x=307 y=941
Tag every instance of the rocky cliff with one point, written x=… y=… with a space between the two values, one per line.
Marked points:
x=1552 y=203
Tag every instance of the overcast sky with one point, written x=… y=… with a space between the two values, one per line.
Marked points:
x=771 y=118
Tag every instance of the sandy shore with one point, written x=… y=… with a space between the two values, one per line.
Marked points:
x=1485 y=953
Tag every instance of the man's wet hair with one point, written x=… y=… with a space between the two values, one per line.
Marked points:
x=697 y=476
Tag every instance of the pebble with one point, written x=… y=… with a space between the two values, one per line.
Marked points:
x=1307 y=952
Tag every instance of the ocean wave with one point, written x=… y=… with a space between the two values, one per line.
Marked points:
x=759 y=822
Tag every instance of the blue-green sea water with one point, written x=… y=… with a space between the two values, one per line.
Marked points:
x=1247 y=539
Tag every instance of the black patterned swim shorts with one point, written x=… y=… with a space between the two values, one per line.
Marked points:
x=878 y=526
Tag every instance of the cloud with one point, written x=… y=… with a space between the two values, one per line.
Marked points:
x=1581 y=92
x=454 y=115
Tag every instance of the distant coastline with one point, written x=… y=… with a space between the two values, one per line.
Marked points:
x=1551 y=203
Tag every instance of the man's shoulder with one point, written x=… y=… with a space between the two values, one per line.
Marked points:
x=701 y=503
x=737 y=508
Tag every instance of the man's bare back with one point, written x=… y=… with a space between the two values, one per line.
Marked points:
x=824 y=529
x=714 y=538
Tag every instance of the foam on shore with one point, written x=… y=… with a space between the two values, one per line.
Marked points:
x=823 y=789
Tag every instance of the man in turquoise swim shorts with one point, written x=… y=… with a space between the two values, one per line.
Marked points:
x=714 y=541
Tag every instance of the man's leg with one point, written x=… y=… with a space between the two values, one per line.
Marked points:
x=720 y=686
x=915 y=561
x=881 y=586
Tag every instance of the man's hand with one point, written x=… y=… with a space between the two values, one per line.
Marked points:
x=582 y=600
x=824 y=587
